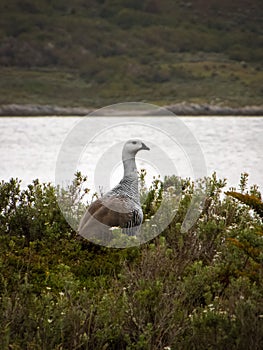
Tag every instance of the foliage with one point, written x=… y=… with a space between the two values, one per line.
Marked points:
x=200 y=288
x=252 y=199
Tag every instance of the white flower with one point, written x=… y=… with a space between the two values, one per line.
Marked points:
x=211 y=307
x=222 y=312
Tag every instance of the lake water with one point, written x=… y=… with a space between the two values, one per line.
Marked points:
x=30 y=148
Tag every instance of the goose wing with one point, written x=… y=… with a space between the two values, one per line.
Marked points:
x=119 y=211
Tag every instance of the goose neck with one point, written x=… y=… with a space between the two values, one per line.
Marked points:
x=130 y=168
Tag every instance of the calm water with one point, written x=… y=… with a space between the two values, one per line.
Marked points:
x=29 y=147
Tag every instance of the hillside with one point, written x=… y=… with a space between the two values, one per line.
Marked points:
x=95 y=52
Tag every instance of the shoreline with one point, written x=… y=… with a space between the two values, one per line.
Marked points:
x=180 y=109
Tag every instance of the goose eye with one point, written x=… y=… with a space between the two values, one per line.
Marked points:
x=134 y=142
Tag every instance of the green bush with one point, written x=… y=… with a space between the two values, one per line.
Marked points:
x=194 y=288
x=31 y=213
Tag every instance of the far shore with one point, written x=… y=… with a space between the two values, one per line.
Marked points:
x=180 y=109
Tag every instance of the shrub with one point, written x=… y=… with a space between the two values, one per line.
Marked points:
x=189 y=288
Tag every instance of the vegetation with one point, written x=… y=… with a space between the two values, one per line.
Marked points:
x=195 y=289
x=95 y=52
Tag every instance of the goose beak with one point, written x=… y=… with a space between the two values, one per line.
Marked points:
x=144 y=147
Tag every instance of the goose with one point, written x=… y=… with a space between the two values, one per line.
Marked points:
x=120 y=207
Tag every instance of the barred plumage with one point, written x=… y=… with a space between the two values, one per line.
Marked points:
x=128 y=186
x=120 y=207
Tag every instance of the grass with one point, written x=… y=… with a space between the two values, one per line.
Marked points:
x=202 y=81
x=76 y=54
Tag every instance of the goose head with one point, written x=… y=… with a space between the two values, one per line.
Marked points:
x=131 y=148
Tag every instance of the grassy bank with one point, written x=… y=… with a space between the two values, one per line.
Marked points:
x=201 y=289
x=95 y=53
x=221 y=82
